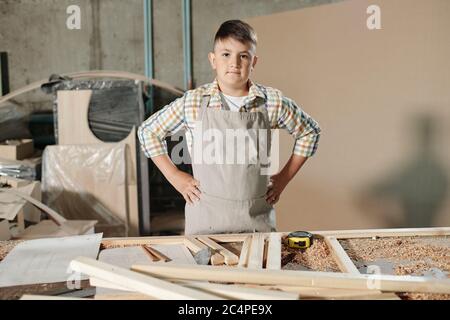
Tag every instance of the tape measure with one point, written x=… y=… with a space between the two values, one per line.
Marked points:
x=300 y=239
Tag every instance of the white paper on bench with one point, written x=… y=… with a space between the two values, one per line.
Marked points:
x=46 y=260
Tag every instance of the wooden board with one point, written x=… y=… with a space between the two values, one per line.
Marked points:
x=73 y=129
x=20 y=150
x=243 y=257
x=137 y=282
x=274 y=252
x=255 y=260
x=5 y=234
x=230 y=257
x=342 y=259
x=299 y=278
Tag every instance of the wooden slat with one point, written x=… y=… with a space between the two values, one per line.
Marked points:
x=256 y=255
x=193 y=244
x=137 y=282
x=230 y=258
x=342 y=259
x=299 y=278
x=243 y=257
x=237 y=292
x=274 y=252
x=338 y=234
x=400 y=232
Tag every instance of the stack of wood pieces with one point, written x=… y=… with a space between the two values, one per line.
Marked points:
x=21 y=202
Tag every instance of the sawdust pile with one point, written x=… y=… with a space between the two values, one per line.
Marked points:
x=410 y=256
x=316 y=258
x=423 y=253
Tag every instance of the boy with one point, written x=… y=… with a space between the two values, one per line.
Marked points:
x=230 y=197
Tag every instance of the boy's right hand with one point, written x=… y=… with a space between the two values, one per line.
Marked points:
x=186 y=185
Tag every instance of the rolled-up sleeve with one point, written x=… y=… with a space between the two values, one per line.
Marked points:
x=301 y=126
x=166 y=122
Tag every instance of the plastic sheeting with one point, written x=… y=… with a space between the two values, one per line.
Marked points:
x=28 y=169
x=88 y=182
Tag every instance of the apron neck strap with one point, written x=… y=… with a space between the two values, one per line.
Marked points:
x=204 y=105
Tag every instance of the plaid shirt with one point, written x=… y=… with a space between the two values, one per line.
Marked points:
x=182 y=113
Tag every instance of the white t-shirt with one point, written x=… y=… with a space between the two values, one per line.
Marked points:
x=234 y=103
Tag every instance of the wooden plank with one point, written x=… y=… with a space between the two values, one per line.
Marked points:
x=255 y=260
x=399 y=232
x=217 y=259
x=157 y=254
x=137 y=282
x=318 y=293
x=230 y=257
x=226 y=291
x=242 y=293
x=338 y=234
x=41 y=297
x=340 y=256
x=5 y=234
x=299 y=278
x=274 y=252
x=193 y=244
x=243 y=257
x=129 y=241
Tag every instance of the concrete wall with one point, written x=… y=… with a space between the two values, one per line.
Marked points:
x=35 y=35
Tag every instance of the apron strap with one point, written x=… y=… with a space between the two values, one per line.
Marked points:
x=204 y=105
x=224 y=103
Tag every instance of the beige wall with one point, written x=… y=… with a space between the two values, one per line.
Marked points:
x=365 y=88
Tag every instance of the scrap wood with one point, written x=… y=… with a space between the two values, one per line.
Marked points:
x=230 y=258
x=340 y=256
x=274 y=252
x=226 y=291
x=243 y=257
x=42 y=297
x=157 y=254
x=256 y=256
x=299 y=278
x=52 y=213
x=145 y=284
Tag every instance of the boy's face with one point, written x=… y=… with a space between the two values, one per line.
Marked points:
x=233 y=62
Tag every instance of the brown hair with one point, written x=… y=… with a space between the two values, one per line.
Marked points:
x=238 y=30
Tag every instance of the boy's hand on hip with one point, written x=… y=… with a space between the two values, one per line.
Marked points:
x=186 y=185
x=278 y=183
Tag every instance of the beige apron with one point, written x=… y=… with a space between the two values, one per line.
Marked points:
x=232 y=196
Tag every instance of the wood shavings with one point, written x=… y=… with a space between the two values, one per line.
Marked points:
x=6 y=246
x=423 y=296
x=420 y=253
x=316 y=258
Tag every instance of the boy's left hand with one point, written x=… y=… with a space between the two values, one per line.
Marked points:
x=278 y=183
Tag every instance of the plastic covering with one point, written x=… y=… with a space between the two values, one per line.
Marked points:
x=28 y=169
x=88 y=182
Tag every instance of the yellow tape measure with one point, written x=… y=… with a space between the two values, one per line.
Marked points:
x=300 y=239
